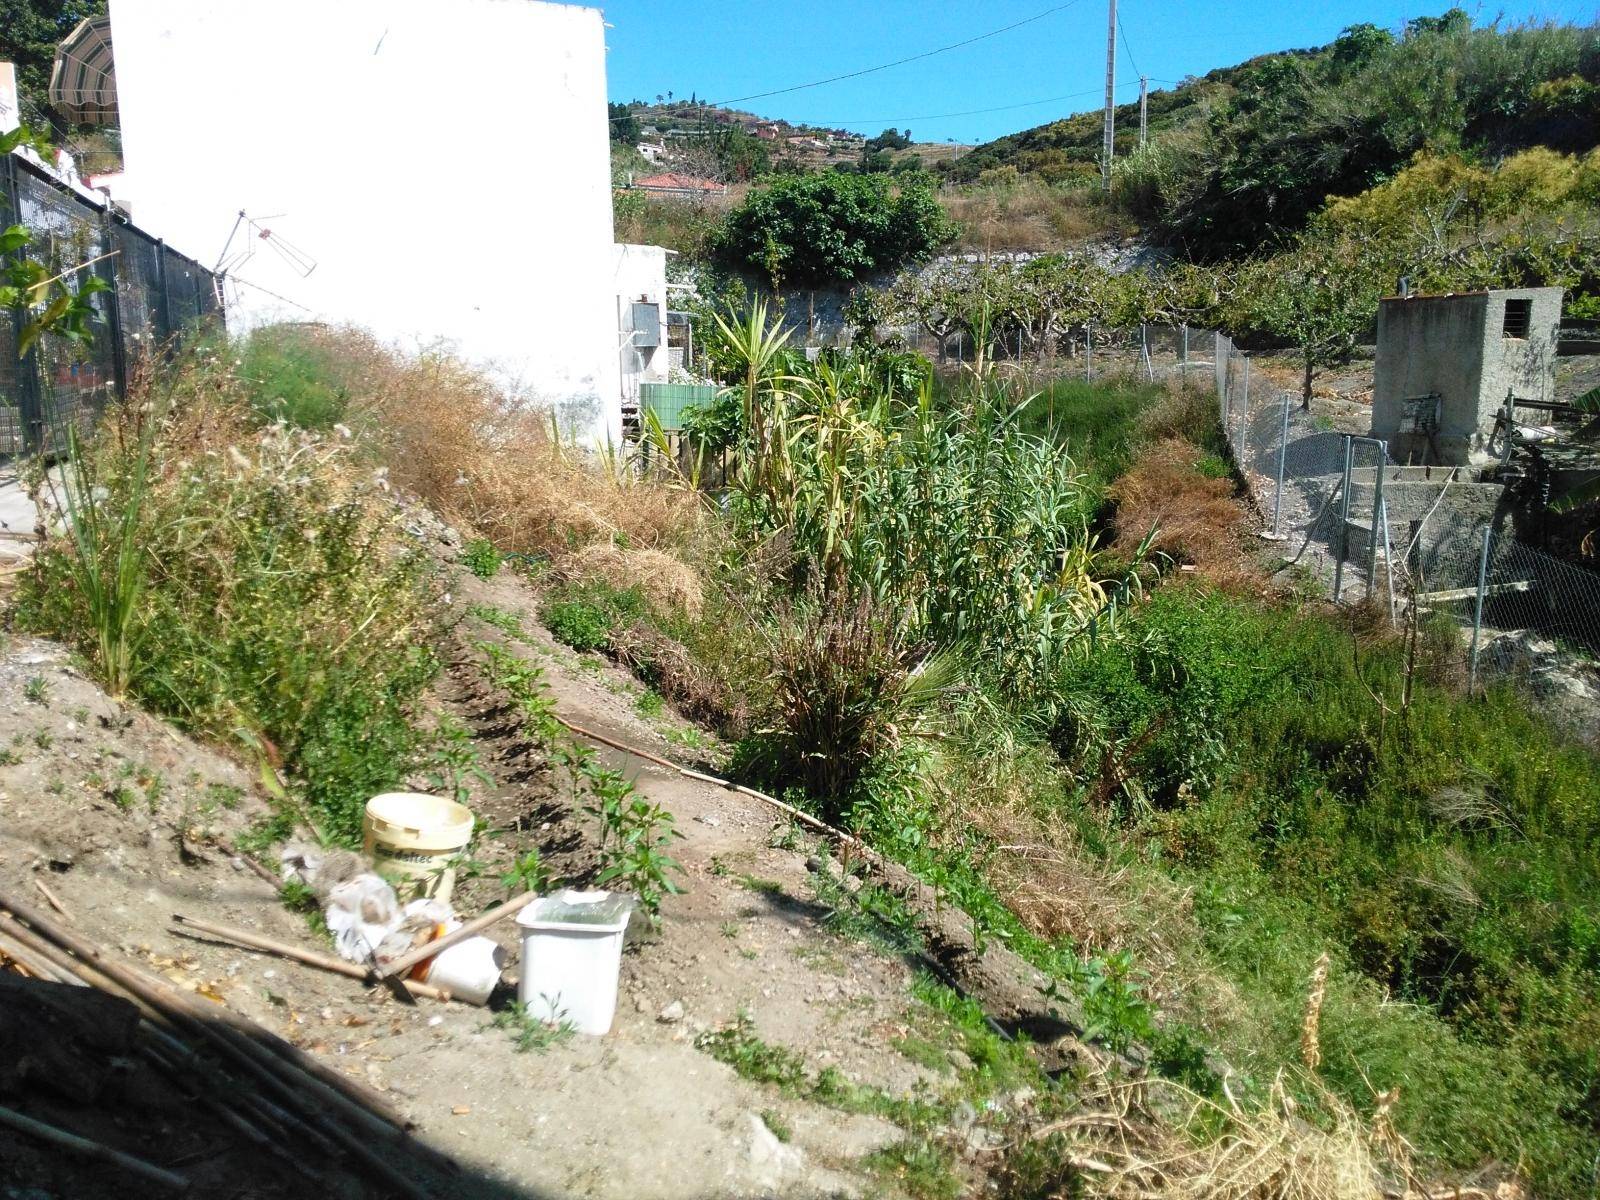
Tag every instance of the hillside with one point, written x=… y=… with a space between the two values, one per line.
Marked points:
x=1246 y=154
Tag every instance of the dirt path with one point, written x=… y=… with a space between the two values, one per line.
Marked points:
x=116 y=811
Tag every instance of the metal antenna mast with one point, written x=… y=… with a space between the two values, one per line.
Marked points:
x=1111 y=87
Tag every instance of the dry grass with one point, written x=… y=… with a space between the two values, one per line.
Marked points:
x=481 y=459
x=1198 y=520
x=665 y=581
x=1025 y=214
x=1155 y=1140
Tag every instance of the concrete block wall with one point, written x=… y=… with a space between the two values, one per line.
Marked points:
x=1458 y=347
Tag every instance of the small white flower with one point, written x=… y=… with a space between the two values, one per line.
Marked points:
x=343 y=431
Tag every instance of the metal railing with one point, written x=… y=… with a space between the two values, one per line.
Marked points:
x=155 y=293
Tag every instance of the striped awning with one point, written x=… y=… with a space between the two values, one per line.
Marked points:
x=83 y=86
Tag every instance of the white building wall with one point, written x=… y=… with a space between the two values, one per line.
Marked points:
x=444 y=162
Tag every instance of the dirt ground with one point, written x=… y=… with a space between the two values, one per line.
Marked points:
x=123 y=819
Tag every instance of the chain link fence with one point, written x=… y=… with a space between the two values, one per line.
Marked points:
x=155 y=293
x=1408 y=538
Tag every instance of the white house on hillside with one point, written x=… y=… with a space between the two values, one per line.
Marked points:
x=435 y=170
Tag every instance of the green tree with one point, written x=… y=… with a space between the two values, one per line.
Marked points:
x=1319 y=296
x=29 y=31
x=829 y=229
x=624 y=125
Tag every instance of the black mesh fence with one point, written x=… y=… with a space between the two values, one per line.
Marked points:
x=156 y=295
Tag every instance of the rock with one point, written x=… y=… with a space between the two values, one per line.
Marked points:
x=671 y=1014
x=709 y=819
x=770 y=1159
x=959 y=1060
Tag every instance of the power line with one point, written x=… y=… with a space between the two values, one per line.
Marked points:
x=899 y=62
x=829 y=122
x=1129 y=49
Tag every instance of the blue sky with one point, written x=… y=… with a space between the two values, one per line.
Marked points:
x=720 y=50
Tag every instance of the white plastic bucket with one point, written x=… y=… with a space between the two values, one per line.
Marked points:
x=571 y=955
x=415 y=836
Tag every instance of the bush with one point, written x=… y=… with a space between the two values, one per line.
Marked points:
x=276 y=598
x=293 y=374
x=585 y=616
x=1442 y=847
x=847 y=687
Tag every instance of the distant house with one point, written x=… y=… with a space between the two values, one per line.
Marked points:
x=676 y=183
x=652 y=151
x=768 y=132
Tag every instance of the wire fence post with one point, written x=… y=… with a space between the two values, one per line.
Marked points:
x=1244 y=415
x=1343 y=537
x=1283 y=458
x=1088 y=353
x=1477 y=611
x=30 y=409
x=1185 y=359
x=1379 y=513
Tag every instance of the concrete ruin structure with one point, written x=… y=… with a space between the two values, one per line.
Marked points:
x=1446 y=364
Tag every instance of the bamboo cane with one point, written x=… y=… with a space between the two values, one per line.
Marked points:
x=299 y=1080
x=85 y=1148
x=325 y=962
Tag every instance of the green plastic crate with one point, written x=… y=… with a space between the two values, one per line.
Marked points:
x=669 y=401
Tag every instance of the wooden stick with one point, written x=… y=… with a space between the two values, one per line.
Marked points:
x=265 y=875
x=325 y=962
x=296 y=1078
x=424 y=952
x=788 y=810
x=55 y=901
x=83 y=1146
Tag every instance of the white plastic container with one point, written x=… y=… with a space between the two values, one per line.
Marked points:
x=468 y=970
x=415 y=836
x=571 y=955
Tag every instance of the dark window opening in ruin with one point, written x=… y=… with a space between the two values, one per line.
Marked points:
x=1519 y=315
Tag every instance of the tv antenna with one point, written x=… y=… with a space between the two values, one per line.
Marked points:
x=248 y=231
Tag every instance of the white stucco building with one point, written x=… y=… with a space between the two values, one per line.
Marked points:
x=435 y=170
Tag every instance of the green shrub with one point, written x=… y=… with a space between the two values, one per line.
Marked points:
x=272 y=602
x=584 y=616
x=1442 y=848
x=293 y=375
x=481 y=558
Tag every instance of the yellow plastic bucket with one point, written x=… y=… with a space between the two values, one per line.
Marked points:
x=412 y=836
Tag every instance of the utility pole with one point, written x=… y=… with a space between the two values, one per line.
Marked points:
x=1111 y=102
x=1144 y=110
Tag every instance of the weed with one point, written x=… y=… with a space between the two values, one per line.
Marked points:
x=56 y=786
x=250 y=592
x=507 y=623
x=481 y=558
x=530 y=1033
x=753 y=1059
x=9 y=757
x=223 y=795
x=527 y=874
x=578 y=624
x=730 y=929
x=43 y=739
x=299 y=898
x=774 y=1121
x=920 y=1166
x=36 y=689
x=649 y=704
x=123 y=796
x=81 y=715
x=770 y=887
x=451 y=762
